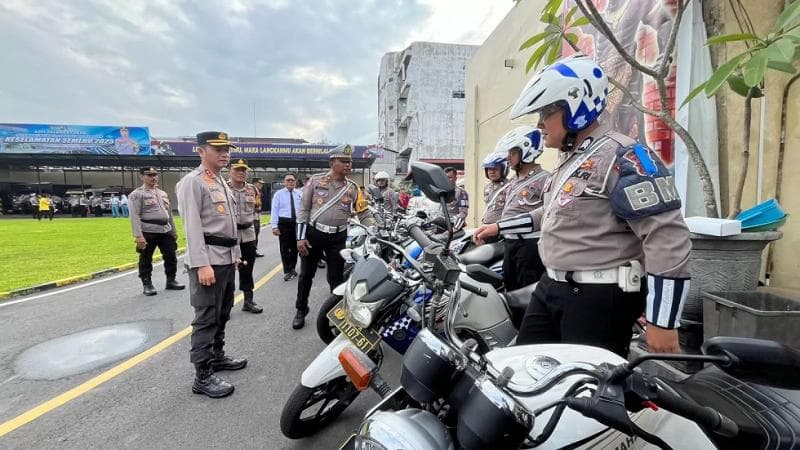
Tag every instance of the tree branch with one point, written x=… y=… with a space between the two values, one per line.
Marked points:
x=663 y=67
x=736 y=204
x=635 y=103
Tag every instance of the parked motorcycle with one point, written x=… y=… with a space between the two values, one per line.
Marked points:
x=572 y=396
x=389 y=304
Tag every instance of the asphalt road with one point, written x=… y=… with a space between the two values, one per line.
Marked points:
x=150 y=405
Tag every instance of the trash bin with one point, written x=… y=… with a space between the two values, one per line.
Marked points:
x=754 y=314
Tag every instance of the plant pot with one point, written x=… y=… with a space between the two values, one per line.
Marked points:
x=719 y=263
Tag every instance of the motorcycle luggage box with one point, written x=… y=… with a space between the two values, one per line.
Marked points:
x=767 y=417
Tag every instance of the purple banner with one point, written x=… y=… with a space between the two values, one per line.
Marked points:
x=256 y=150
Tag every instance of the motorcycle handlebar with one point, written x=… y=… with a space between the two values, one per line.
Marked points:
x=477 y=290
x=422 y=239
x=703 y=415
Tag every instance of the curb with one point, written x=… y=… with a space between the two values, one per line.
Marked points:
x=76 y=279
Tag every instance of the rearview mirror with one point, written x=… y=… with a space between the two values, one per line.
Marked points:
x=757 y=360
x=432 y=181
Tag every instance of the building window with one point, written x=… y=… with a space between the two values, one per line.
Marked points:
x=391 y=79
x=391 y=133
x=391 y=107
x=458 y=94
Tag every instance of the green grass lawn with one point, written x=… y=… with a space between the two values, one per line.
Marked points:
x=33 y=252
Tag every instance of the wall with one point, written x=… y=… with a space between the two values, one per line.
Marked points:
x=720 y=20
x=491 y=90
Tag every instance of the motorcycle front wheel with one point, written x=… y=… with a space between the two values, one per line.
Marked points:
x=308 y=410
x=325 y=329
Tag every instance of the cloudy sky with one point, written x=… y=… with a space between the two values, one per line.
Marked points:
x=308 y=67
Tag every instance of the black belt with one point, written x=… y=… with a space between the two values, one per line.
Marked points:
x=156 y=221
x=220 y=241
x=286 y=220
x=244 y=226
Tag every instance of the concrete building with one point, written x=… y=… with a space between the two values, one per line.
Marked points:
x=421 y=103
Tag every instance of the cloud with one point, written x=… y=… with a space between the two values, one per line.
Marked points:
x=308 y=69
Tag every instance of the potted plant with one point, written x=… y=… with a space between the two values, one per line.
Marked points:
x=717 y=264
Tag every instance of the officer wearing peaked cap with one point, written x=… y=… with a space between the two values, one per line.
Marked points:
x=210 y=215
x=258 y=184
x=244 y=195
x=328 y=201
x=153 y=226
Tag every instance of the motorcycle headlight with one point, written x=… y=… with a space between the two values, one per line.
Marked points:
x=359 y=313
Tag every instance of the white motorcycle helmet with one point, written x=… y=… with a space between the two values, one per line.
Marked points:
x=381 y=176
x=526 y=138
x=576 y=83
x=495 y=160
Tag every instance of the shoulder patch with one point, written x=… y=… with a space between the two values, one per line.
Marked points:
x=645 y=186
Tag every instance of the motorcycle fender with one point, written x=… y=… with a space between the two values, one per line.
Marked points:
x=339 y=290
x=325 y=367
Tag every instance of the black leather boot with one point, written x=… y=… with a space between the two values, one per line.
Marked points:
x=299 y=319
x=206 y=383
x=221 y=362
x=147 y=287
x=249 y=305
x=173 y=285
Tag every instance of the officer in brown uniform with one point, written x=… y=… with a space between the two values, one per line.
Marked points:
x=153 y=226
x=522 y=265
x=389 y=196
x=244 y=195
x=258 y=183
x=459 y=207
x=495 y=167
x=610 y=220
x=212 y=256
x=327 y=203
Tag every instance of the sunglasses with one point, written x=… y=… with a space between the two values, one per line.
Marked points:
x=548 y=111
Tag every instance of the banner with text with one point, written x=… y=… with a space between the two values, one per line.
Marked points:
x=85 y=139
x=257 y=150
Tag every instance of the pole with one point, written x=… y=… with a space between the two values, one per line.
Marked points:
x=38 y=180
x=83 y=189
x=122 y=168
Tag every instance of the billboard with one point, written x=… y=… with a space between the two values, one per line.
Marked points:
x=84 y=139
x=257 y=150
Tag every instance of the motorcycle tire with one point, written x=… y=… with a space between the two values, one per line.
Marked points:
x=296 y=425
x=325 y=329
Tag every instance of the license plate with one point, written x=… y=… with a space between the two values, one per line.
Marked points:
x=364 y=339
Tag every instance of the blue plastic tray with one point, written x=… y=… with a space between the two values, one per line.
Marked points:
x=765 y=213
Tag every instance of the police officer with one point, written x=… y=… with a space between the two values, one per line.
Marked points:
x=153 y=226
x=328 y=200
x=459 y=207
x=610 y=220
x=389 y=196
x=522 y=265
x=209 y=217
x=258 y=183
x=244 y=195
x=495 y=167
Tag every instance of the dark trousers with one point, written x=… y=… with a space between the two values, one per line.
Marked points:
x=44 y=213
x=212 y=309
x=600 y=315
x=522 y=265
x=246 y=270
x=319 y=242
x=288 y=243
x=167 y=245
x=257 y=225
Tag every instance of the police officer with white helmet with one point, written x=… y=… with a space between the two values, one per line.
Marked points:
x=610 y=221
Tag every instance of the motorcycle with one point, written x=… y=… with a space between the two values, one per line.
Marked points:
x=574 y=396
x=389 y=304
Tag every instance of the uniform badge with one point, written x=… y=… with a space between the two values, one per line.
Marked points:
x=563 y=200
x=588 y=164
x=221 y=208
x=346 y=199
x=320 y=201
x=568 y=187
x=524 y=193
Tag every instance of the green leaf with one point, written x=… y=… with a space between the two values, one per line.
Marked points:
x=581 y=21
x=536 y=57
x=534 y=40
x=782 y=66
x=698 y=89
x=721 y=75
x=552 y=7
x=731 y=38
x=781 y=50
x=552 y=19
x=572 y=37
x=569 y=16
x=736 y=83
x=788 y=14
x=555 y=52
x=755 y=69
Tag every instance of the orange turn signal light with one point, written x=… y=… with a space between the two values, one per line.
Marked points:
x=357 y=366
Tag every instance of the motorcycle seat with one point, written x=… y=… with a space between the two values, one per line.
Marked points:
x=768 y=418
x=518 y=299
x=484 y=274
x=482 y=254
